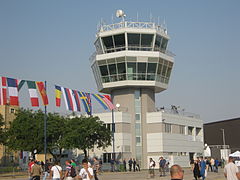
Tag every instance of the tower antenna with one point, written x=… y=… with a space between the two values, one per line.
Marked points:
x=121 y=14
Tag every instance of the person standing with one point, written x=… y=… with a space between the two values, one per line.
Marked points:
x=56 y=172
x=73 y=163
x=231 y=171
x=112 y=162
x=30 y=164
x=36 y=171
x=162 y=165
x=216 y=163
x=212 y=162
x=202 y=168
x=95 y=167
x=124 y=165
x=196 y=169
x=68 y=175
x=134 y=165
x=130 y=162
x=176 y=172
x=86 y=173
x=151 y=168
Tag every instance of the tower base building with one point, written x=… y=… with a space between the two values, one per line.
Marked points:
x=132 y=63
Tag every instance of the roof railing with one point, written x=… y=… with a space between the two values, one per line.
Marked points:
x=128 y=24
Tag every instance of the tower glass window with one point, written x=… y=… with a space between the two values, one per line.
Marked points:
x=151 y=70
x=141 y=68
x=131 y=70
x=158 y=43
x=146 y=41
x=113 y=71
x=133 y=41
x=164 y=45
x=103 y=70
x=119 y=41
x=121 y=71
x=108 y=44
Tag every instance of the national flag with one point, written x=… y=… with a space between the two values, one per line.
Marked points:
x=20 y=84
x=89 y=103
x=32 y=89
x=58 y=94
x=85 y=101
x=3 y=91
x=76 y=98
x=42 y=91
x=106 y=99
x=100 y=100
x=67 y=98
x=13 y=91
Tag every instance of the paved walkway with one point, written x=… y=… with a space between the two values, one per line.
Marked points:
x=143 y=175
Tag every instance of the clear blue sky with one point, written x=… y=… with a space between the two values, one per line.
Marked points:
x=53 y=39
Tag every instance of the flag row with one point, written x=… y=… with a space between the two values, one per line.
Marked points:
x=9 y=90
x=72 y=99
x=10 y=87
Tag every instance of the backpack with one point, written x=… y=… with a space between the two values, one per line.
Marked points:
x=73 y=172
x=154 y=164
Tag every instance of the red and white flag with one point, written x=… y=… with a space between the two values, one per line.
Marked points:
x=3 y=91
x=13 y=91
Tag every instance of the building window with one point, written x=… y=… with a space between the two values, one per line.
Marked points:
x=181 y=129
x=167 y=128
x=12 y=110
x=198 y=131
x=190 y=130
x=137 y=117
x=110 y=126
x=138 y=141
x=107 y=157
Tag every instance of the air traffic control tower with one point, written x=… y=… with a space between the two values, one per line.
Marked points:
x=132 y=63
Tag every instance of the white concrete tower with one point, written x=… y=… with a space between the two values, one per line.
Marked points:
x=132 y=63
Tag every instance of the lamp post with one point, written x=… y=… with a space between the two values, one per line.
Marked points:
x=224 y=142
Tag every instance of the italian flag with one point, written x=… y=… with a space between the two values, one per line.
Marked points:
x=32 y=89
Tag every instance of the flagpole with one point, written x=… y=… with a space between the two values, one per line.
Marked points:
x=45 y=127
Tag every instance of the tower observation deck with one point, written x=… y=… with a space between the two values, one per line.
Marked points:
x=132 y=63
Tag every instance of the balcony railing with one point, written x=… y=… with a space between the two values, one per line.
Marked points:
x=132 y=48
x=135 y=25
x=178 y=112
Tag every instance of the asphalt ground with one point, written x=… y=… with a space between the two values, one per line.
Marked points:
x=142 y=175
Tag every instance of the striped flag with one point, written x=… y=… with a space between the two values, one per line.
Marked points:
x=100 y=100
x=71 y=100
x=76 y=98
x=42 y=91
x=86 y=102
x=13 y=91
x=107 y=100
x=32 y=89
x=58 y=94
x=3 y=91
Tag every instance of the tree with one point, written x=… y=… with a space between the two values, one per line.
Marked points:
x=87 y=132
x=2 y=135
x=26 y=131
x=57 y=135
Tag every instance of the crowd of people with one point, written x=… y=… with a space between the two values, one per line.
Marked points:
x=54 y=171
x=200 y=167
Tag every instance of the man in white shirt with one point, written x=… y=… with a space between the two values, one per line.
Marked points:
x=56 y=172
x=231 y=171
x=86 y=173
